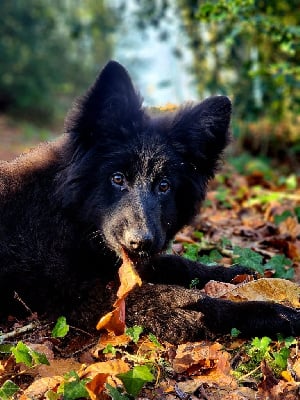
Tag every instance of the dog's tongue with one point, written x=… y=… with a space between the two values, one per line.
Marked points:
x=114 y=321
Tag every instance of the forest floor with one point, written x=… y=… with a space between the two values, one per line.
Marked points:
x=251 y=217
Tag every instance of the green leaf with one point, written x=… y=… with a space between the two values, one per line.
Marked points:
x=281 y=358
x=282 y=217
x=51 y=395
x=191 y=251
x=39 y=358
x=134 y=332
x=8 y=389
x=115 y=394
x=22 y=354
x=61 y=328
x=234 y=332
x=5 y=348
x=110 y=349
x=281 y=265
x=211 y=259
x=194 y=283
x=154 y=339
x=73 y=388
x=248 y=258
x=135 y=379
x=261 y=345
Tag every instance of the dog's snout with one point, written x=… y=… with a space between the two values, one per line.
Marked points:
x=139 y=241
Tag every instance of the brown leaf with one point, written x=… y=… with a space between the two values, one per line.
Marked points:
x=129 y=278
x=209 y=363
x=114 y=321
x=39 y=387
x=96 y=387
x=275 y=289
x=112 y=367
x=290 y=227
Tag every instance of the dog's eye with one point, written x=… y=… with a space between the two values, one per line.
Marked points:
x=118 y=178
x=163 y=186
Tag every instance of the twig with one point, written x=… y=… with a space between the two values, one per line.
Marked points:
x=17 y=297
x=17 y=331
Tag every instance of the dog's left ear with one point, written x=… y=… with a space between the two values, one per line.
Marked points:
x=201 y=132
x=111 y=99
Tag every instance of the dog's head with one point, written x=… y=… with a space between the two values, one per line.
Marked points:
x=135 y=177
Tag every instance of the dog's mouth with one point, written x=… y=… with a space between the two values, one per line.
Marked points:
x=137 y=257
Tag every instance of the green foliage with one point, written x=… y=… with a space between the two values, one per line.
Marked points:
x=275 y=354
x=282 y=217
x=134 y=333
x=61 y=328
x=24 y=354
x=212 y=258
x=281 y=265
x=50 y=50
x=135 y=379
x=248 y=258
x=154 y=339
x=110 y=349
x=73 y=387
x=234 y=332
x=8 y=389
x=116 y=394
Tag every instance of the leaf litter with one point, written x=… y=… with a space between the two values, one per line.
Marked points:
x=241 y=212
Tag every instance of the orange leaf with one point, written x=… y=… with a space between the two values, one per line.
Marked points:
x=96 y=386
x=129 y=278
x=113 y=367
x=114 y=321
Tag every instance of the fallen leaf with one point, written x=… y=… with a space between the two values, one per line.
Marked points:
x=114 y=321
x=40 y=386
x=290 y=227
x=205 y=362
x=264 y=289
x=112 y=367
x=96 y=387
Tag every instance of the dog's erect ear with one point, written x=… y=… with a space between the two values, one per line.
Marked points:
x=111 y=98
x=201 y=132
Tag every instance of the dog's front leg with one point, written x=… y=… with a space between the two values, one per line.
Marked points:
x=176 y=270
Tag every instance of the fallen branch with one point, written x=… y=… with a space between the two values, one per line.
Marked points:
x=17 y=331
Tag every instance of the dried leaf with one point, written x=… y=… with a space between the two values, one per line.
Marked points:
x=210 y=363
x=39 y=387
x=114 y=321
x=96 y=386
x=113 y=367
x=276 y=289
x=290 y=227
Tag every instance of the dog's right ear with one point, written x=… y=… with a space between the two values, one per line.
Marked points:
x=112 y=99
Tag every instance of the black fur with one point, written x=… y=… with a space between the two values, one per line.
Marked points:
x=120 y=178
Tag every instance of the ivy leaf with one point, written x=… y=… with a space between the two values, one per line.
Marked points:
x=61 y=328
x=8 y=389
x=73 y=388
x=134 y=332
x=248 y=258
x=135 y=379
x=282 y=266
x=22 y=354
x=115 y=394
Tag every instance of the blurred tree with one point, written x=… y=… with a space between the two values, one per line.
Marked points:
x=50 y=49
x=249 y=49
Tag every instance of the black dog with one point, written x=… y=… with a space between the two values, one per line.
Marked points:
x=120 y=179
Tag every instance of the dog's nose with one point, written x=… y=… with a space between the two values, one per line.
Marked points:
x=139 y=241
